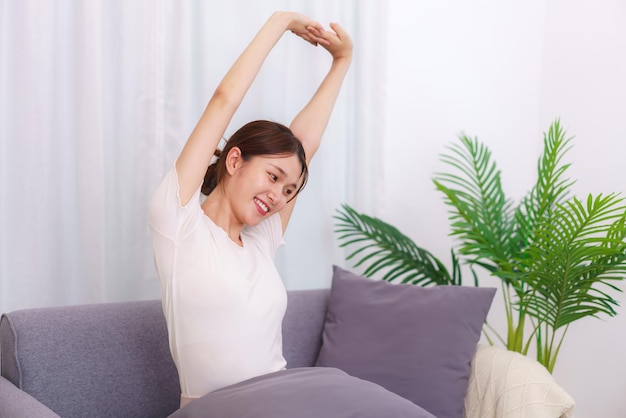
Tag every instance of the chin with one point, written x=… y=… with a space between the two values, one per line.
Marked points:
x=255 y=220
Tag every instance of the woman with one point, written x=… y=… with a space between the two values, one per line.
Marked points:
x=222 y=296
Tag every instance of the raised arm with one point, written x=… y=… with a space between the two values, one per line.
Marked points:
x=309 y=125
x=196 y=155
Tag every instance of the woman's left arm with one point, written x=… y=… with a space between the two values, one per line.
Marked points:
x=309 y=124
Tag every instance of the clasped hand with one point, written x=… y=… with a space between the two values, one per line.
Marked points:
x=336 y=40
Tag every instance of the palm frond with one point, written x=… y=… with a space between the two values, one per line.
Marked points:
x=386 y=251
x=480 y=213
x=551 y=187
x=578 y=251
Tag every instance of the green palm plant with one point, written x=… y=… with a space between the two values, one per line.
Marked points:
x=557 y=257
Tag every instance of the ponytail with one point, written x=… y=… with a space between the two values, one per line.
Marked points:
x=211 y=176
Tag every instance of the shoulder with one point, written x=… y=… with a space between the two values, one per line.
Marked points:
x=167 y=215
x=268 y=234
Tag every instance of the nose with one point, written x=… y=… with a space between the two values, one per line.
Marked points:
x=274 y=195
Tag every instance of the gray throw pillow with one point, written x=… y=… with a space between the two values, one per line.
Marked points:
x=417 y=342
x=311 y=392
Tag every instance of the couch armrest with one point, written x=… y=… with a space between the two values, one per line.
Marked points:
x=505 y=384
x=18 y=404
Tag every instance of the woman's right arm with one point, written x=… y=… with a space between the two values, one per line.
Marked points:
x=196 y=155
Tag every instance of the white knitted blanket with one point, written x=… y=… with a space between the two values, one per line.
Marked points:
x=505 y=384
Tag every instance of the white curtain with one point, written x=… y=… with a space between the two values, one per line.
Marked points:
x=96 y=100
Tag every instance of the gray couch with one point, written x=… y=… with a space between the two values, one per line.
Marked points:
x=112 y=360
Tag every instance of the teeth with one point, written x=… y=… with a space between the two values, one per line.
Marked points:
x=262 y=205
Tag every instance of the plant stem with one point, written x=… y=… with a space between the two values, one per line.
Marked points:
x=552 y=362
x=496 y=333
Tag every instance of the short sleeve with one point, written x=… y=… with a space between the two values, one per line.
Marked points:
x=166 y=215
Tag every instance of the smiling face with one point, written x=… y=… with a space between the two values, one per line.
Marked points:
x=262 y=185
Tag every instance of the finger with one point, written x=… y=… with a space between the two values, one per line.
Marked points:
x=339 y=30
x=309 y=38
x=317 y=35
x=306 y=37
x=317 y=26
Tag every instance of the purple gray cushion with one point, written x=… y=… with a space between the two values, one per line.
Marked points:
x=311 y=392
x=417 y=342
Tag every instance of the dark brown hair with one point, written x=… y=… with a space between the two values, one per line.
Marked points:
x=260 y=137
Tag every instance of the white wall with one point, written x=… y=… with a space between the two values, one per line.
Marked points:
x=503 y=71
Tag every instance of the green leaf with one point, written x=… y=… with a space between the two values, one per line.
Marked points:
x=385 y=251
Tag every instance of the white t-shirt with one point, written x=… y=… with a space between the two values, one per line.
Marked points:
x=223 y=303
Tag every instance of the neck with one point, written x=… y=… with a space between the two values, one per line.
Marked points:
x=218 y=208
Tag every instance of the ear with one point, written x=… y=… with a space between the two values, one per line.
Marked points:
x=234 y=160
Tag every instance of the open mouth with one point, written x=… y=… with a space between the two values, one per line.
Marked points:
x=261 y=206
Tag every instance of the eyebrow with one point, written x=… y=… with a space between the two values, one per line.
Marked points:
x=283 y=174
